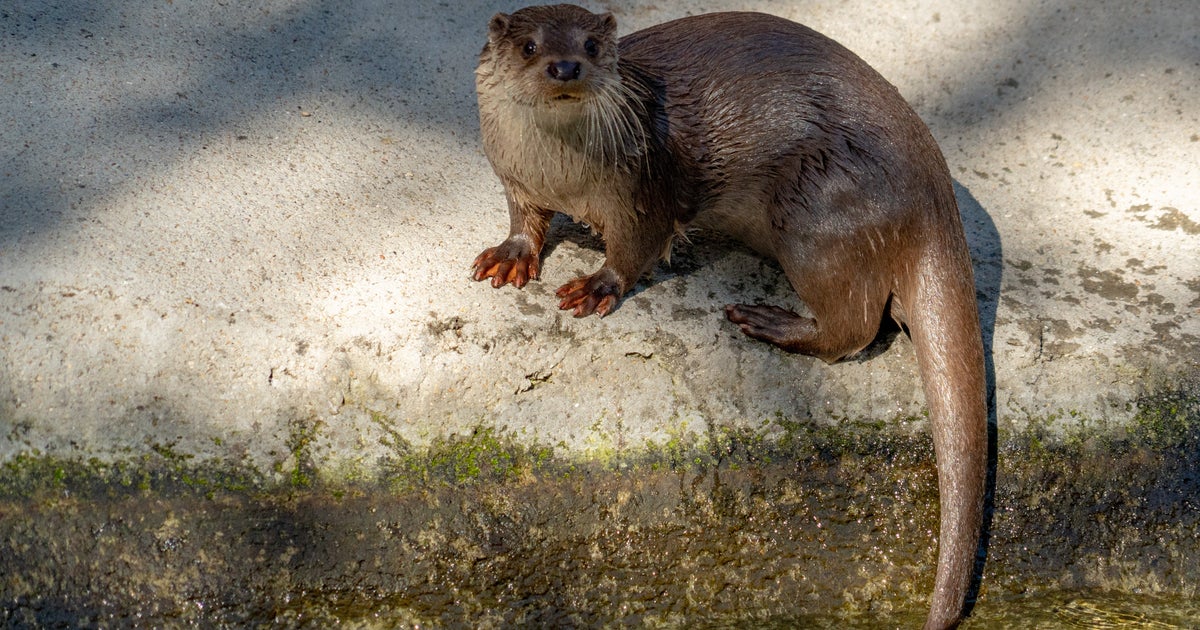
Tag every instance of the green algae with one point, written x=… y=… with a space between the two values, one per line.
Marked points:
x=301 y=436
x=1167 y=419
x=164 y=471
x=485 y=455
x=1164 y=421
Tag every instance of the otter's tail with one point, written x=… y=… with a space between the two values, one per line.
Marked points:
x=943 y=323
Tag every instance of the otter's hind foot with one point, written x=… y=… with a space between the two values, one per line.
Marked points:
x=774 y=325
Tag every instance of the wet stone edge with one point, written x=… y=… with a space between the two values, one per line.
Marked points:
x=488 y=530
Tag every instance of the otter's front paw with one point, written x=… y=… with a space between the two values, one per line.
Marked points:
x=512 y=261
x=596 y=293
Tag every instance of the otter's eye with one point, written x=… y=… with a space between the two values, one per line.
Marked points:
x=591 y=48
x=530 y=49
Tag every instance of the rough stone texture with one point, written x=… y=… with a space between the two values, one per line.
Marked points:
x=226 y=229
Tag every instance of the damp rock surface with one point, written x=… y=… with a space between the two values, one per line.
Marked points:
x=830 y=528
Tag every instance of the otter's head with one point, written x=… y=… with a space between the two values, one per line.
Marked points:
x=549 y=56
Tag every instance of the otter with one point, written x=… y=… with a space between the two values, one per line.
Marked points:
x=766 y=130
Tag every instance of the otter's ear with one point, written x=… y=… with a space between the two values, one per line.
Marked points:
x=608 y=23
x=498 y=27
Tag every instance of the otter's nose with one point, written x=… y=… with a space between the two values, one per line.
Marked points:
x=563 y=70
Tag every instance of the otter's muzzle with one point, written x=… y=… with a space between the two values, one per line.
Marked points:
x=564 y=70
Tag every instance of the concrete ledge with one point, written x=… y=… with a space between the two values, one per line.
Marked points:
x=217 y=226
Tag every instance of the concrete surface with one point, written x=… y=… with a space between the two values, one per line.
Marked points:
x=227 y=225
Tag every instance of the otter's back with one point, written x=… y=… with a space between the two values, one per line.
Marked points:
x=787 y=112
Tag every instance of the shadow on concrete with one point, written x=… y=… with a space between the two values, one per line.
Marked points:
x=401 y=62
x=212 y=71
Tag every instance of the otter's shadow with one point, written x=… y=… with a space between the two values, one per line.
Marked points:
x=564 y=230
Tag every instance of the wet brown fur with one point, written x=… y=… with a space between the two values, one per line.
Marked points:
x=764 y=129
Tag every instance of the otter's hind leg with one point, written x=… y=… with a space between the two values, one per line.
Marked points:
x=845 y=318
